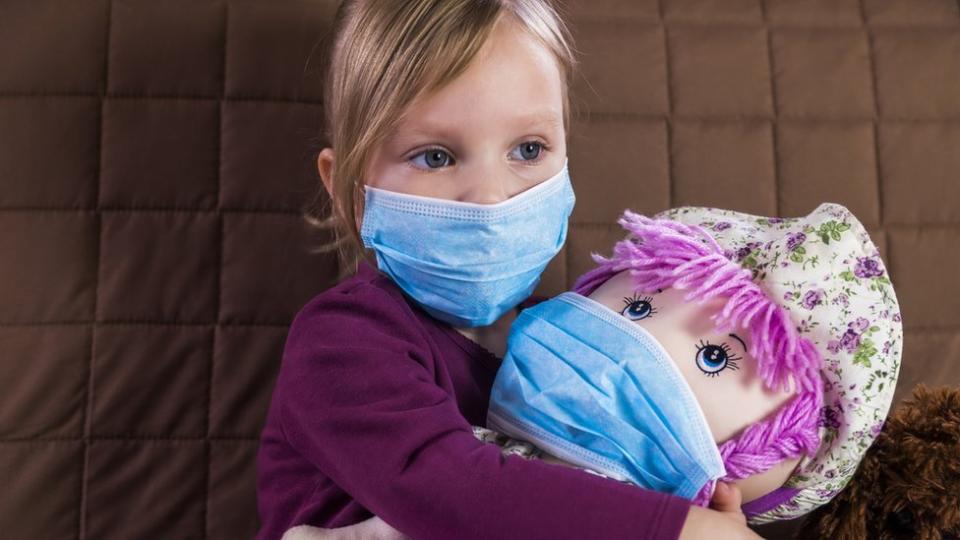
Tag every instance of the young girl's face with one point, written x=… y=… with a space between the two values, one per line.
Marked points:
x=493 y=132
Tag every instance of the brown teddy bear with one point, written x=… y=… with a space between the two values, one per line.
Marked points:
x=908 y=483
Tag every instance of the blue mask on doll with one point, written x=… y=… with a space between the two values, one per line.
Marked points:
x=466 y=263
x=598 y=391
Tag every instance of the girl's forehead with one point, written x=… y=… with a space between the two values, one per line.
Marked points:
x=512 y=80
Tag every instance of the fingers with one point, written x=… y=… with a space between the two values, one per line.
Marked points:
x=726 y=498
x=372 y=528
x=306 y=532
x=383 y=531
x=704 y=524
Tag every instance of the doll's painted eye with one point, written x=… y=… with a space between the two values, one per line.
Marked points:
x=637 y=308
x=712 y=359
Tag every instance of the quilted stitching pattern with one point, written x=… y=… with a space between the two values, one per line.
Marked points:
x=154 y=158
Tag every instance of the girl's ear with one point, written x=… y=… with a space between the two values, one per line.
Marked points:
x=325 y=167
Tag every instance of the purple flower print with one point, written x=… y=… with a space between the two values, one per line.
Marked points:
x=721 y=226
x=850 y=341
x=745 y=250
x=794 y=240
x=812 y=298
x=841 y=299
x=896 y=317
x=859 y=325
x=876 y=429
x=867 y=267
x=774 y=220
x=829 y=418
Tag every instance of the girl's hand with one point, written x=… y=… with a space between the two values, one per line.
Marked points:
x=726 y=520
x=371 y=529
x=727 y=499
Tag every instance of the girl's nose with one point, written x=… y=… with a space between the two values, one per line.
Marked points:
x=492 y=186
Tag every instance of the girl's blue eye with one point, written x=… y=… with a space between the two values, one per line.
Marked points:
x=712 y=359
x=530 y=150
x=433 y=158
x=637 y=308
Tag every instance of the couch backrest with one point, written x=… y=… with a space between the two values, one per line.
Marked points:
x=155 y=157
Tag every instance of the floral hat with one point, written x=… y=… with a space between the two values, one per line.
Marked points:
x=822 y=313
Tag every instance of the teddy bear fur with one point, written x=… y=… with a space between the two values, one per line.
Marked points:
x=908 y=483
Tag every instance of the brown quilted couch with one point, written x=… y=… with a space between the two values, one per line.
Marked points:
x=155 y=156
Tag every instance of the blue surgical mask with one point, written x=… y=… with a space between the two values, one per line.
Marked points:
x=466 y=263
x=592 y=388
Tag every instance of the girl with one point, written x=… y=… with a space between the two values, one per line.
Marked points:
x=448 y=123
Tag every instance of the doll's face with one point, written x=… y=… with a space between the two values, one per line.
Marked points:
x=717 y=366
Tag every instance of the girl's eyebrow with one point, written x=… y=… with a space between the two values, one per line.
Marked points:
x=736 y=337
x=545 y=117
x=428 y=128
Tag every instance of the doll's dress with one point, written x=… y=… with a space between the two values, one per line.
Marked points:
x=513 y=447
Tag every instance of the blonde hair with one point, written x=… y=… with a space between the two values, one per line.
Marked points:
x=381 y=56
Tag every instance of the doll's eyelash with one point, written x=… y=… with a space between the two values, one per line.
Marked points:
x=730 y=363
x=635 y=298
x=637 y=308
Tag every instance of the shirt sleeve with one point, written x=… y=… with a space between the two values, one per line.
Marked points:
x=360 y=402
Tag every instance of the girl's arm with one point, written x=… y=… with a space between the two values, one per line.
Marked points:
x=699 y=525
x=361 y=403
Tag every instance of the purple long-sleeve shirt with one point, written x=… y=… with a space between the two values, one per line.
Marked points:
x=371 y=414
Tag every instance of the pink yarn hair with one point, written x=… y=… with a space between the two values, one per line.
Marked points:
x=661 y=253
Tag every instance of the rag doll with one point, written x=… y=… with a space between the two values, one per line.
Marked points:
x=711 y=346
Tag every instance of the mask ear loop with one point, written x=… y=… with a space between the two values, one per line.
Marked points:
x=359 y=198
